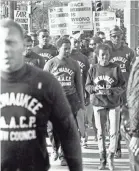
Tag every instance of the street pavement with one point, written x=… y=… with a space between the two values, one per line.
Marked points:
x=91 y=157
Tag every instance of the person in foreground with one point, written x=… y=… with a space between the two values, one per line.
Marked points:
x=105 y=83
x=133 y=106
x=29 y=98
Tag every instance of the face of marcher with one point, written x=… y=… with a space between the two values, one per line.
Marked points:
x=12 y=48
x=28 y=47
x=102 y=36
x=64 y=50
x=116 y=38
x=43 y=38
x=92 y=44
x=85 y=43
x=103 y=57
x=75 y=44
x=34 y=41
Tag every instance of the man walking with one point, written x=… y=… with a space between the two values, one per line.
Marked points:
x=28 y=99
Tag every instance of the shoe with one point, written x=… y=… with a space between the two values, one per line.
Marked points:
x=102 y=167
x=111 y=161
x=55 y=156
x=84 y=142
x=95 y=139
x=118 y=154
x=102 y=161
x=64 y=162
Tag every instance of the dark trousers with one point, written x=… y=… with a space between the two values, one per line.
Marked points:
x=75 y=106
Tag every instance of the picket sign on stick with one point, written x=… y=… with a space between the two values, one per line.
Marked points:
x=104 y=21
x=81 y=16
x=59 y=21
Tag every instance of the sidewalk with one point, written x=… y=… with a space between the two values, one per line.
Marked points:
x=91 y=158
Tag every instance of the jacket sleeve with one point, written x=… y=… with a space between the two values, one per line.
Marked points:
x=90 y=88
x=78 y=83
x=64 y=123
x=133 y=99
x=132 y=59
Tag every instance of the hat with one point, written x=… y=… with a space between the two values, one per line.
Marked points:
x=115 y=30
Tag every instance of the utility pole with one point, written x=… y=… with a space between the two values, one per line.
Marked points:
x=12 y=5
x=131 y=22
x=29 y=16
x=43 y=15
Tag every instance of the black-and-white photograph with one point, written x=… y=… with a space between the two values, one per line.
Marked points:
x=69 y=85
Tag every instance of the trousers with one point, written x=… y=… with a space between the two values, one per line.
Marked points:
x=100 y=114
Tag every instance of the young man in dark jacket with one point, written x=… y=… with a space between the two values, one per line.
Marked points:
x=44 y=48
x=67 y=72
x=84 y=67
x=29 y=98
x=123 y=56
x=31 y=57
x=105 y=83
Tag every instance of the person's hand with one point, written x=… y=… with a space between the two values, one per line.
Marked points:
x=134 y=145
x=104 y=91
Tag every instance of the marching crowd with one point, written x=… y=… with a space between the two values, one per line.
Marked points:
x=58 y=87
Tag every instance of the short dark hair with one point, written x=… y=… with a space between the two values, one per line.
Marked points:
x=42 y=30
x=102 y=47
x=96 y=39
x=9 y=23
x=61 y=41
x=27 y=38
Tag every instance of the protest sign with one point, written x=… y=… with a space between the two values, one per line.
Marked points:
x=21 y=16
x=103 y=21
x=81 y=16
x=59 y=21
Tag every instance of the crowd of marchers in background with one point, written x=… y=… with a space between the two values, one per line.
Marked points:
x=96 y=57
x=81 y=83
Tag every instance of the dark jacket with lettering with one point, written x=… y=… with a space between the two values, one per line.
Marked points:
x=109 y=82
x=65 y=72
x=47 y=52
x=123 y=57
x=34 y=60
x=29 y=98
